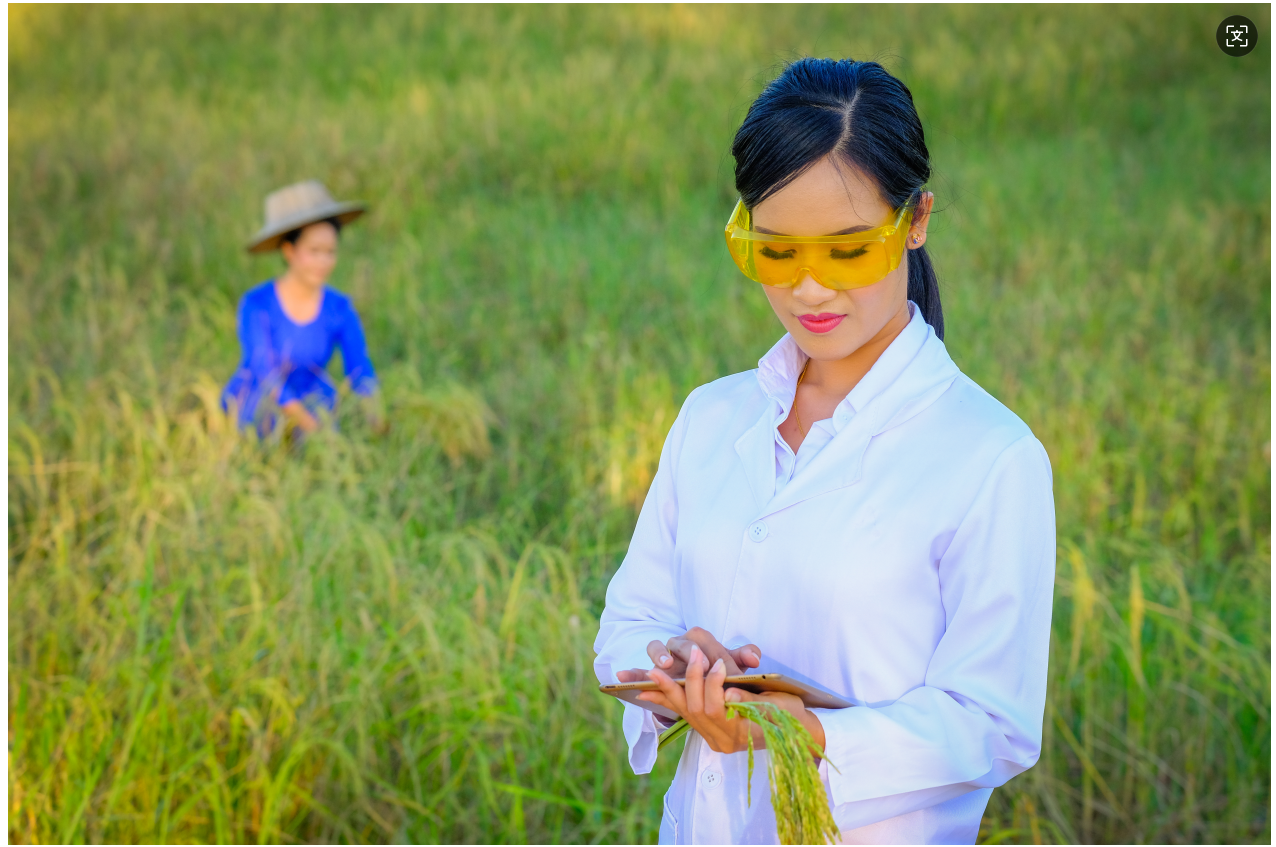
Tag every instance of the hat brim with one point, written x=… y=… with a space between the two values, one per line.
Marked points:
x=269 y=238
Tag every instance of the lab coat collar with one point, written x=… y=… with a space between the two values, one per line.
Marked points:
x=910 y=375
x=779 y=369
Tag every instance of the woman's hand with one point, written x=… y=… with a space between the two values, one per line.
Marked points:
x=702 y=702
x=298 y=415
x=373 y=408
x=671 y=657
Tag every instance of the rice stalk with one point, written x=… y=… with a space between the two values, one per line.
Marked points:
x=452 y=416
x=802 y=813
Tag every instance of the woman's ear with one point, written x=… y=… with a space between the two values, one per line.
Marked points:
x=287 y=249
x=921 y=218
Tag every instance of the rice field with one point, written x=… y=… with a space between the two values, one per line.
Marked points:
x=385 y=638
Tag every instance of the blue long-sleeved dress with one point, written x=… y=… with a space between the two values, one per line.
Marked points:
x=280 y=355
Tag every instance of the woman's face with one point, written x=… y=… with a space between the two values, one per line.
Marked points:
x=832 y=199
x=313 y=257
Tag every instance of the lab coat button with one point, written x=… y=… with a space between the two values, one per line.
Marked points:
x=758 y=532
x=711 y=779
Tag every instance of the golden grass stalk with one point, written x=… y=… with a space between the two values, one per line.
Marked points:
x=452 y=416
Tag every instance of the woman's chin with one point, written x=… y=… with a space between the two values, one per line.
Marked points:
x=827 y=346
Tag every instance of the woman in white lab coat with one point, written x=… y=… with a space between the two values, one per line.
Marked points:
x=856 y=512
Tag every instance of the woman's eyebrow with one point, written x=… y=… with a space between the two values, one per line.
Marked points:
x=847 y=231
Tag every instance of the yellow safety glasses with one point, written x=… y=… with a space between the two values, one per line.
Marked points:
x=839 y=262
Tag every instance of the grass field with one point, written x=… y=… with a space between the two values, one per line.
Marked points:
x=388 y=638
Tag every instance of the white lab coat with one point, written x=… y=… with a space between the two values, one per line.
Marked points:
x=908 y=567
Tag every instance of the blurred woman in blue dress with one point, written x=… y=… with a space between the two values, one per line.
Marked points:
x=289 y=326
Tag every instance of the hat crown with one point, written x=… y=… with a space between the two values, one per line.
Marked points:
x=295 y=206
x=295 y=200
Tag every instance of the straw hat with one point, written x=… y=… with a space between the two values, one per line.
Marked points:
x=298 y=205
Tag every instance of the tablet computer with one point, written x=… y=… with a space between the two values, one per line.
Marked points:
x=756 y=683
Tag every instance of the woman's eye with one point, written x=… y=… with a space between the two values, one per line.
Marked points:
x=775 y=254
x=848 y=254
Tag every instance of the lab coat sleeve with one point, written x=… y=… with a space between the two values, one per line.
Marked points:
x=641 y=600
x=977 y=720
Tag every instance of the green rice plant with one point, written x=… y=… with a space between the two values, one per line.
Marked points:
x=679 y=729
x=451 y=416
x=802 y=811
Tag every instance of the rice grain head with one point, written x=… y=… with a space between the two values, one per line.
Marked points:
x=802 y=813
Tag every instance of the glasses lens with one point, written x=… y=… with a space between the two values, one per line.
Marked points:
x=844 y=266
x=742 y=253
x=837 y=266
x=840 y=266
x=778 y=263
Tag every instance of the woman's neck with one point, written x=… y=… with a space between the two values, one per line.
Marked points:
x=839 y=377
x=301 y=302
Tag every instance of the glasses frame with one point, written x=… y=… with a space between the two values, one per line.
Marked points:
x=739 y=228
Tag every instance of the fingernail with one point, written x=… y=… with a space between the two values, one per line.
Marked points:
x=750 y=654
x=695 y=653
x=665 y=661
x=717 y=666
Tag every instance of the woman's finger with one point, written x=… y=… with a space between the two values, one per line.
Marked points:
x=788 y=702
x=748 y=656
x=713 y=692
x=675 y=696
x=659 y=655
x=680 y=648
x=739 y=695
x=696 y=665
x=657 y=698
x=729 y=735
x=712 y=648
x=712 y=730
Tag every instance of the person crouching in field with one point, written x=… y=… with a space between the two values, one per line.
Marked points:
x=289 y=326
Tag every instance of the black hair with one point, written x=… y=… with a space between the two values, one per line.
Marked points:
x=293 y=234
x=820 y=106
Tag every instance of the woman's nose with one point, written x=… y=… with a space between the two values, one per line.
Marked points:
x=810 y=292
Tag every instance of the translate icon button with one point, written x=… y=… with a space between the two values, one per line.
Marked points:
x=1237 y=35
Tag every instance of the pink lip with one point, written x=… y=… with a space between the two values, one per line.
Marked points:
x=821 y=323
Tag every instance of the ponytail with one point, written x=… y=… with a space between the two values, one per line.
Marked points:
x=923 y=289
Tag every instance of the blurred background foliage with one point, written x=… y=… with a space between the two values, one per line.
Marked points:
x=388 y=638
